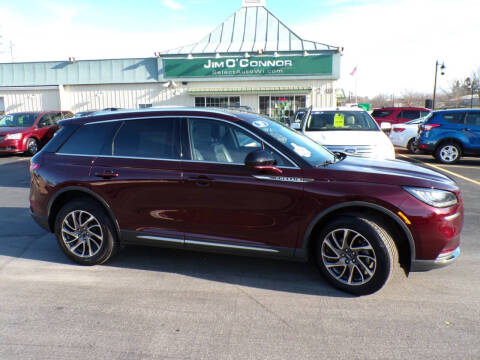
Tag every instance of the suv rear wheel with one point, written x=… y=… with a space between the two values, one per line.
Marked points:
x=85 y=233
x=448 y=153
x=356 y=255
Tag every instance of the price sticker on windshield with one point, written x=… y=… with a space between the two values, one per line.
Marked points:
x=339 y=120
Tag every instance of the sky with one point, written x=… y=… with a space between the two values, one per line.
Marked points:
x=394 y=44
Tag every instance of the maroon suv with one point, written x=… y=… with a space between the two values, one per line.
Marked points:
x=240 y=183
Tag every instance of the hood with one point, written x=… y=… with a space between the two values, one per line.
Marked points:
x=347 y=137
x=11 y=130
x=392 y=172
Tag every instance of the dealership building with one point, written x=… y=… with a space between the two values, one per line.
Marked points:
x=252 y=59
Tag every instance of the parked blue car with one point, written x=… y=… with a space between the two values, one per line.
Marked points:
x=450 y=134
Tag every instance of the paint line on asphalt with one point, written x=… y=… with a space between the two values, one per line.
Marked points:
x=444 y=170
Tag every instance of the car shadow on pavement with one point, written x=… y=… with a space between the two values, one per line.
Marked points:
x=15 y=173
x=255 y=272
x=22 y=238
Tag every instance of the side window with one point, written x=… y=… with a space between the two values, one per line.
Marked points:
x=56 y=118
x=217 y=141
x=411 y=114
x=94 y=139
x=66 y=115
x=148 y=138
x=45 y=121
x=473 y=118
x=424 y=113
x=454 y=118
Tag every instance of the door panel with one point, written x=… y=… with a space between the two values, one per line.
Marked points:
x=142 y=193
x=141 y=176
x=226 y=203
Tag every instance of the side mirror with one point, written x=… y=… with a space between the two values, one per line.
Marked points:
x=262 y=160
x=296 y=126
x=386 y=127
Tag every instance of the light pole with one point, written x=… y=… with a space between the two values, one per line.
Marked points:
x=469 y=83
x=442 y=72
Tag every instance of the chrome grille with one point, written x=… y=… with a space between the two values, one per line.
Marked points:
x=359 y=150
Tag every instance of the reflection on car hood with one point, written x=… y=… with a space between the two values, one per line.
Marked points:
x=11 y=130
x=394 y=172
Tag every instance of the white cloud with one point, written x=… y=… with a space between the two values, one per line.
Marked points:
x=173 y=5
x=395 y=45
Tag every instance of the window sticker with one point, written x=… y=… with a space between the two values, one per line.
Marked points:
x=260 y=124
x=300 y=150
x=339 y=120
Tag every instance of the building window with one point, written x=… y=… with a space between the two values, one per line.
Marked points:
x=217 y=101
x=144 y=106
x=281 y=108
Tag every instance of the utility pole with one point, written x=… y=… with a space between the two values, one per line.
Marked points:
x=442 y=68
x=11 y=45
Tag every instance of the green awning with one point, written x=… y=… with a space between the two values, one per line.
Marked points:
x=287 y=90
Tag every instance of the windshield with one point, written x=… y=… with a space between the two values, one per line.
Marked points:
x=341 y=120
x=18 y=120
x=313 y=153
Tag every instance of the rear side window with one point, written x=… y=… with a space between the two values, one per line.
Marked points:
x=454 y=118
x=473 y=118
x=148 y=138
x=381 y=113
x=90 y=139
x=409 y=114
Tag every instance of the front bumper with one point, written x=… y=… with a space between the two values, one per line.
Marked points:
x=442 y=260
x=11 y=146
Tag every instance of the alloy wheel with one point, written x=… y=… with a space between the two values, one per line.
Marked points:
x=82 y=234
x=349 y=257
x=449 y=153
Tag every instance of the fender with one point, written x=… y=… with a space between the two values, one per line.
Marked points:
x=302 y=252
x=87 y=192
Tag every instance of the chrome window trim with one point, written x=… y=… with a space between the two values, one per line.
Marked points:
x=295 y=166
x=159 y=159
x=229 y=246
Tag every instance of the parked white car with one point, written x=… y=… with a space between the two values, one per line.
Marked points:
x=403 y=135
x=349 y=130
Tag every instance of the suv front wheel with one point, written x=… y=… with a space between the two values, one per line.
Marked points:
x=356 y=255
x=85 y=232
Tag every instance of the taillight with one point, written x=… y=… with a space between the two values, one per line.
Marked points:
x=398 y=129
x=429 y=127
x=34 y=166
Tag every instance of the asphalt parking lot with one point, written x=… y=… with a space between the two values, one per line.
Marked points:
x=168 y=304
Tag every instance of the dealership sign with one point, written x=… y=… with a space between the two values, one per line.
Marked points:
x=252 y=66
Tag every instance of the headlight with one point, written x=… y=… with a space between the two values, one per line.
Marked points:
x=434 y=197
x=16 y=136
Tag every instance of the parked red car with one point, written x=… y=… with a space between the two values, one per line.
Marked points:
x=398 y=115
x=238 y=182
x=27 y=132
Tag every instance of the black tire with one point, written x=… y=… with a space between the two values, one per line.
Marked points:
x=87 y=238
x=412 y=148
x=351 y=269
x=32 y=147
x=448 y=153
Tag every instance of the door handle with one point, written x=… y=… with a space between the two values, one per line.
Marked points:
x=202 y=180
x=107 y=174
